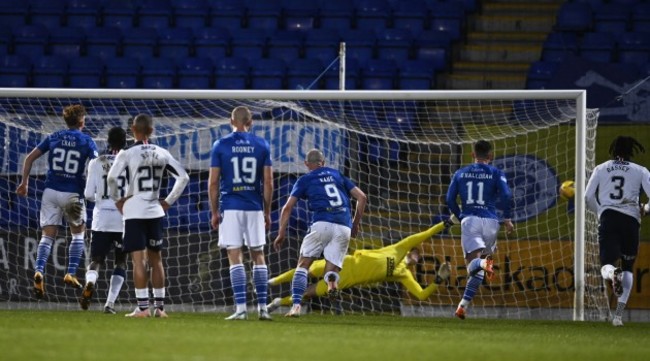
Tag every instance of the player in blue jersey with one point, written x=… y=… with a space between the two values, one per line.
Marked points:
x=240 y=187
x=328 y=194
x=107 y=225
x=479 y=186
x=69 y=150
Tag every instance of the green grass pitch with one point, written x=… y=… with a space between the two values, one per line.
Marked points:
x=77 y=335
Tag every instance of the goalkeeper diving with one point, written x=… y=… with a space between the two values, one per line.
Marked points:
x=368 y=266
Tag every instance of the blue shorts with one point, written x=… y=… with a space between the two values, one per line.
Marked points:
x=143 y=233
x=101 y=243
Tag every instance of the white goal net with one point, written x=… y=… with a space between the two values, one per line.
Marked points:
x=401 y=148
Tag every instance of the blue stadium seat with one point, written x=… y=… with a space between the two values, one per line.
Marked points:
x=612 y=18
x=433 y=39
x=438 y=57
x=50 y=71
x=191 y=14
x=446 y=10
x=229 y=14
x=395 y=44
x=175 y=43
x=155 y=14
x=14 y=13
x=372 y=14
x=416 y=75
x=378 y=74
x=299 y=15
x=411 y=15
x=50 y=13
x=83 y=13
x=5 y=39
x=139 y=43
x=285 y=45
x=104 y=42
x=559 y=45
x=14 y=70
x=598 y=47
x=232 y=73
x=575 y=16
x=158 y=73
x=248 y=43
x=85 y=72
x=451 y=25
x=121 y=14
x=322 y=44
x=304 y=74
x=268 y=74
x=123 y=73
x=336 y=14
x=402 y=120
x=195 y=73
x=30 y=40
x=641 y=17
x=67 y=42
x=263 y=14
x=634 y=48
x=211 y=42
x=539 y=73
x=360 y=44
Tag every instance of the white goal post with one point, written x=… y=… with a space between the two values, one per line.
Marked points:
x=401 y=147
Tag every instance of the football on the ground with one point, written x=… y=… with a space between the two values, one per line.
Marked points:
x=567 y=190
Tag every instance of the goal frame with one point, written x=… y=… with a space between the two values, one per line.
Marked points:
x=579 y=96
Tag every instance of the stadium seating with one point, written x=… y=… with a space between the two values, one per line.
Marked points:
x=539 y=73
x=14 y=13
x=634 y=48
x=263 y=14
x=352 y=76
x=612 y=18
x=104 y=42
x=85 y=72
x=299 y=15
x=410 y=15
x=83 y=13
x=641 y=17
x=67 y=42
x=360 y=44
x=598 y=47
x=268 y=74
x=123 y=72
x=30 y=40
x=378 y=74
x=191 y=14
x=394 y=44
x=336 y=14
x=322 y=44
x=211 y=42
x=304 y=74
x=121 y=14
x=50 y=71
x=155 y=14
x=574 y=16
x=5 y=39
x=285 y=45
x=140 y=43
x=559 y=45
x=248 y=43
x=175 y=43
x=229 y=14
x=158 y=73
x=372 y=14
x=417 y=75
x=49 y=13
x=232 y=73
x=14 y=70
x=195 y=73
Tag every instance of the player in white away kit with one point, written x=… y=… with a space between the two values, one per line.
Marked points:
x=68 y=151
x=613 y=192
x=240 y=188
x=143 y=211
x=107 y=226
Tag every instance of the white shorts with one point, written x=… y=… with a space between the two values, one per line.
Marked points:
x=52 y=205
x=477 y=233
x=239 y=228
x=328 y=239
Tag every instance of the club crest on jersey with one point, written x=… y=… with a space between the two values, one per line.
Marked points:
x=533 y=183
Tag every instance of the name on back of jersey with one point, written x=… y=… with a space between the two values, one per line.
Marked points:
x=243 y=149
x=476 y=175
x=618 y=167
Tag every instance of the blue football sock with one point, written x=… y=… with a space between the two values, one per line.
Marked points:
x=43 y=253
x=473 y=284
x=474 y=267
x=261 y=280
x=238 y=283
x=75 y=253
x=298 y=285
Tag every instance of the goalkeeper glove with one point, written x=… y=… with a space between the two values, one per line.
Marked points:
x=451 y=221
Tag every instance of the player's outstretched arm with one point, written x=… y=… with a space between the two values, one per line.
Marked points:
x=213 y=196
x=268 y=195
x=362 y=200
x=285 y=277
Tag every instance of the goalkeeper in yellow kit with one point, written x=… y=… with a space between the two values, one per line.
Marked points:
x=367 y=266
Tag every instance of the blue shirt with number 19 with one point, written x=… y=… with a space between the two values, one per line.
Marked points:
x=479 y=186
x=69 y=151
x=241 y=158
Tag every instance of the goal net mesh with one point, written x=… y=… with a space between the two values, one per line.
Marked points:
x=401 y=152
